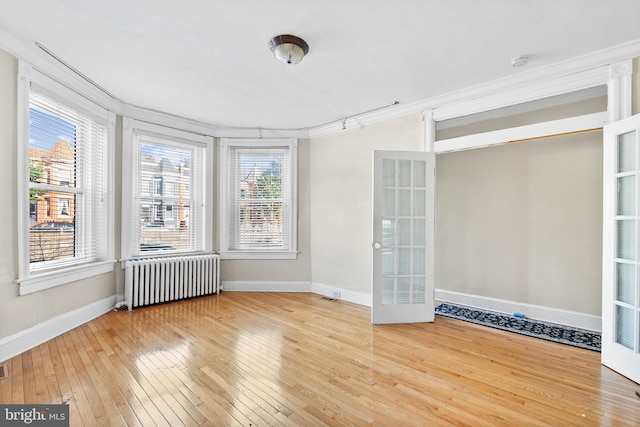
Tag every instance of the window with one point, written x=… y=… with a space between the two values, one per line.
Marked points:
x=64 y=208
x=167 y=208
x=64 y=157
x=258 y=218
x=33 y=211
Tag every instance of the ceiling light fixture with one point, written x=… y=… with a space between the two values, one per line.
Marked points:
x=288 y=49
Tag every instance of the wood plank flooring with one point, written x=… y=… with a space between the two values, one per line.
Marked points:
x=262 y=359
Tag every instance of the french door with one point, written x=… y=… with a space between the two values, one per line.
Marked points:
x=621 y=248
x=403 y=237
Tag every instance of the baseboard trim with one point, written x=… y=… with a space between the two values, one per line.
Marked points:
x=341 y=294
x=16 y=344
x=296 y=286
x=546 y=314
x=266 y=286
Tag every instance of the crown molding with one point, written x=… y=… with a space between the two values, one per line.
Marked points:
x=577 y=73
x=57 y=71
x=45 y=63
x=202 y=128
x=580 y=72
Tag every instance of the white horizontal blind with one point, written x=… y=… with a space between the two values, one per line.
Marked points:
x=259 y=198
x=168 y=186
x=67 y=206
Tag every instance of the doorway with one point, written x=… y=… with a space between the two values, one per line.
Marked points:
x=523 y=222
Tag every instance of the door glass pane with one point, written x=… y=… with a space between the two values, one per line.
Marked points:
x=419 y=231
x=388 y=173
x=388 y=232
x=627 y=195
x=419 y=203
x=404 y=173
x=418 y=290
x=625 y=282
x=404 y=260
x=388 y=291
x=389 y=208
x=404 y=232
x=624 y=326
x=419 y=175
x=627 y=152
x=626 y=239
x=403 y=295
x=404 y=202
x=418 y=261
x=388 y=261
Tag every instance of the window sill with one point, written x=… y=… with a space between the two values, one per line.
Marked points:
x=56 y=277
x=258 y=255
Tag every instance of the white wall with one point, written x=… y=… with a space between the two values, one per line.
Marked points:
x=19 y=313
x=341 y=199
x=635 y=108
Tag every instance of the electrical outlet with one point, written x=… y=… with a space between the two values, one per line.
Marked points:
x=336 y=294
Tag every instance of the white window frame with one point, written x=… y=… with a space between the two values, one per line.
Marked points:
x=129 y=128
x=231 y=143
x=39 y=279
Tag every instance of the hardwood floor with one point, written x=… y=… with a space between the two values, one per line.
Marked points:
x=258 y=359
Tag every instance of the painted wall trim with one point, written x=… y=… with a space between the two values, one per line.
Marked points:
x=265 y=286
x=341 y=294
x=27 y=339
x=298 y=286
x=30 y=52
x=523 y=133
x=63 y=276
x=546 y=314
x=496 y=95
x=210 y=129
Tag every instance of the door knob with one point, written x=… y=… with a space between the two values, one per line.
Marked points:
x=376 y=245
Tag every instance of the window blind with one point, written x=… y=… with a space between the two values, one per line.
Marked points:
x=168 y=183
x=258 y=202
x=67 y=173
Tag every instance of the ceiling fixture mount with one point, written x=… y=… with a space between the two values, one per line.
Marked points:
x=520 y=61
x=288 y=49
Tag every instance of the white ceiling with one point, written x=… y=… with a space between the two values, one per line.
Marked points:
x=209 y=60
